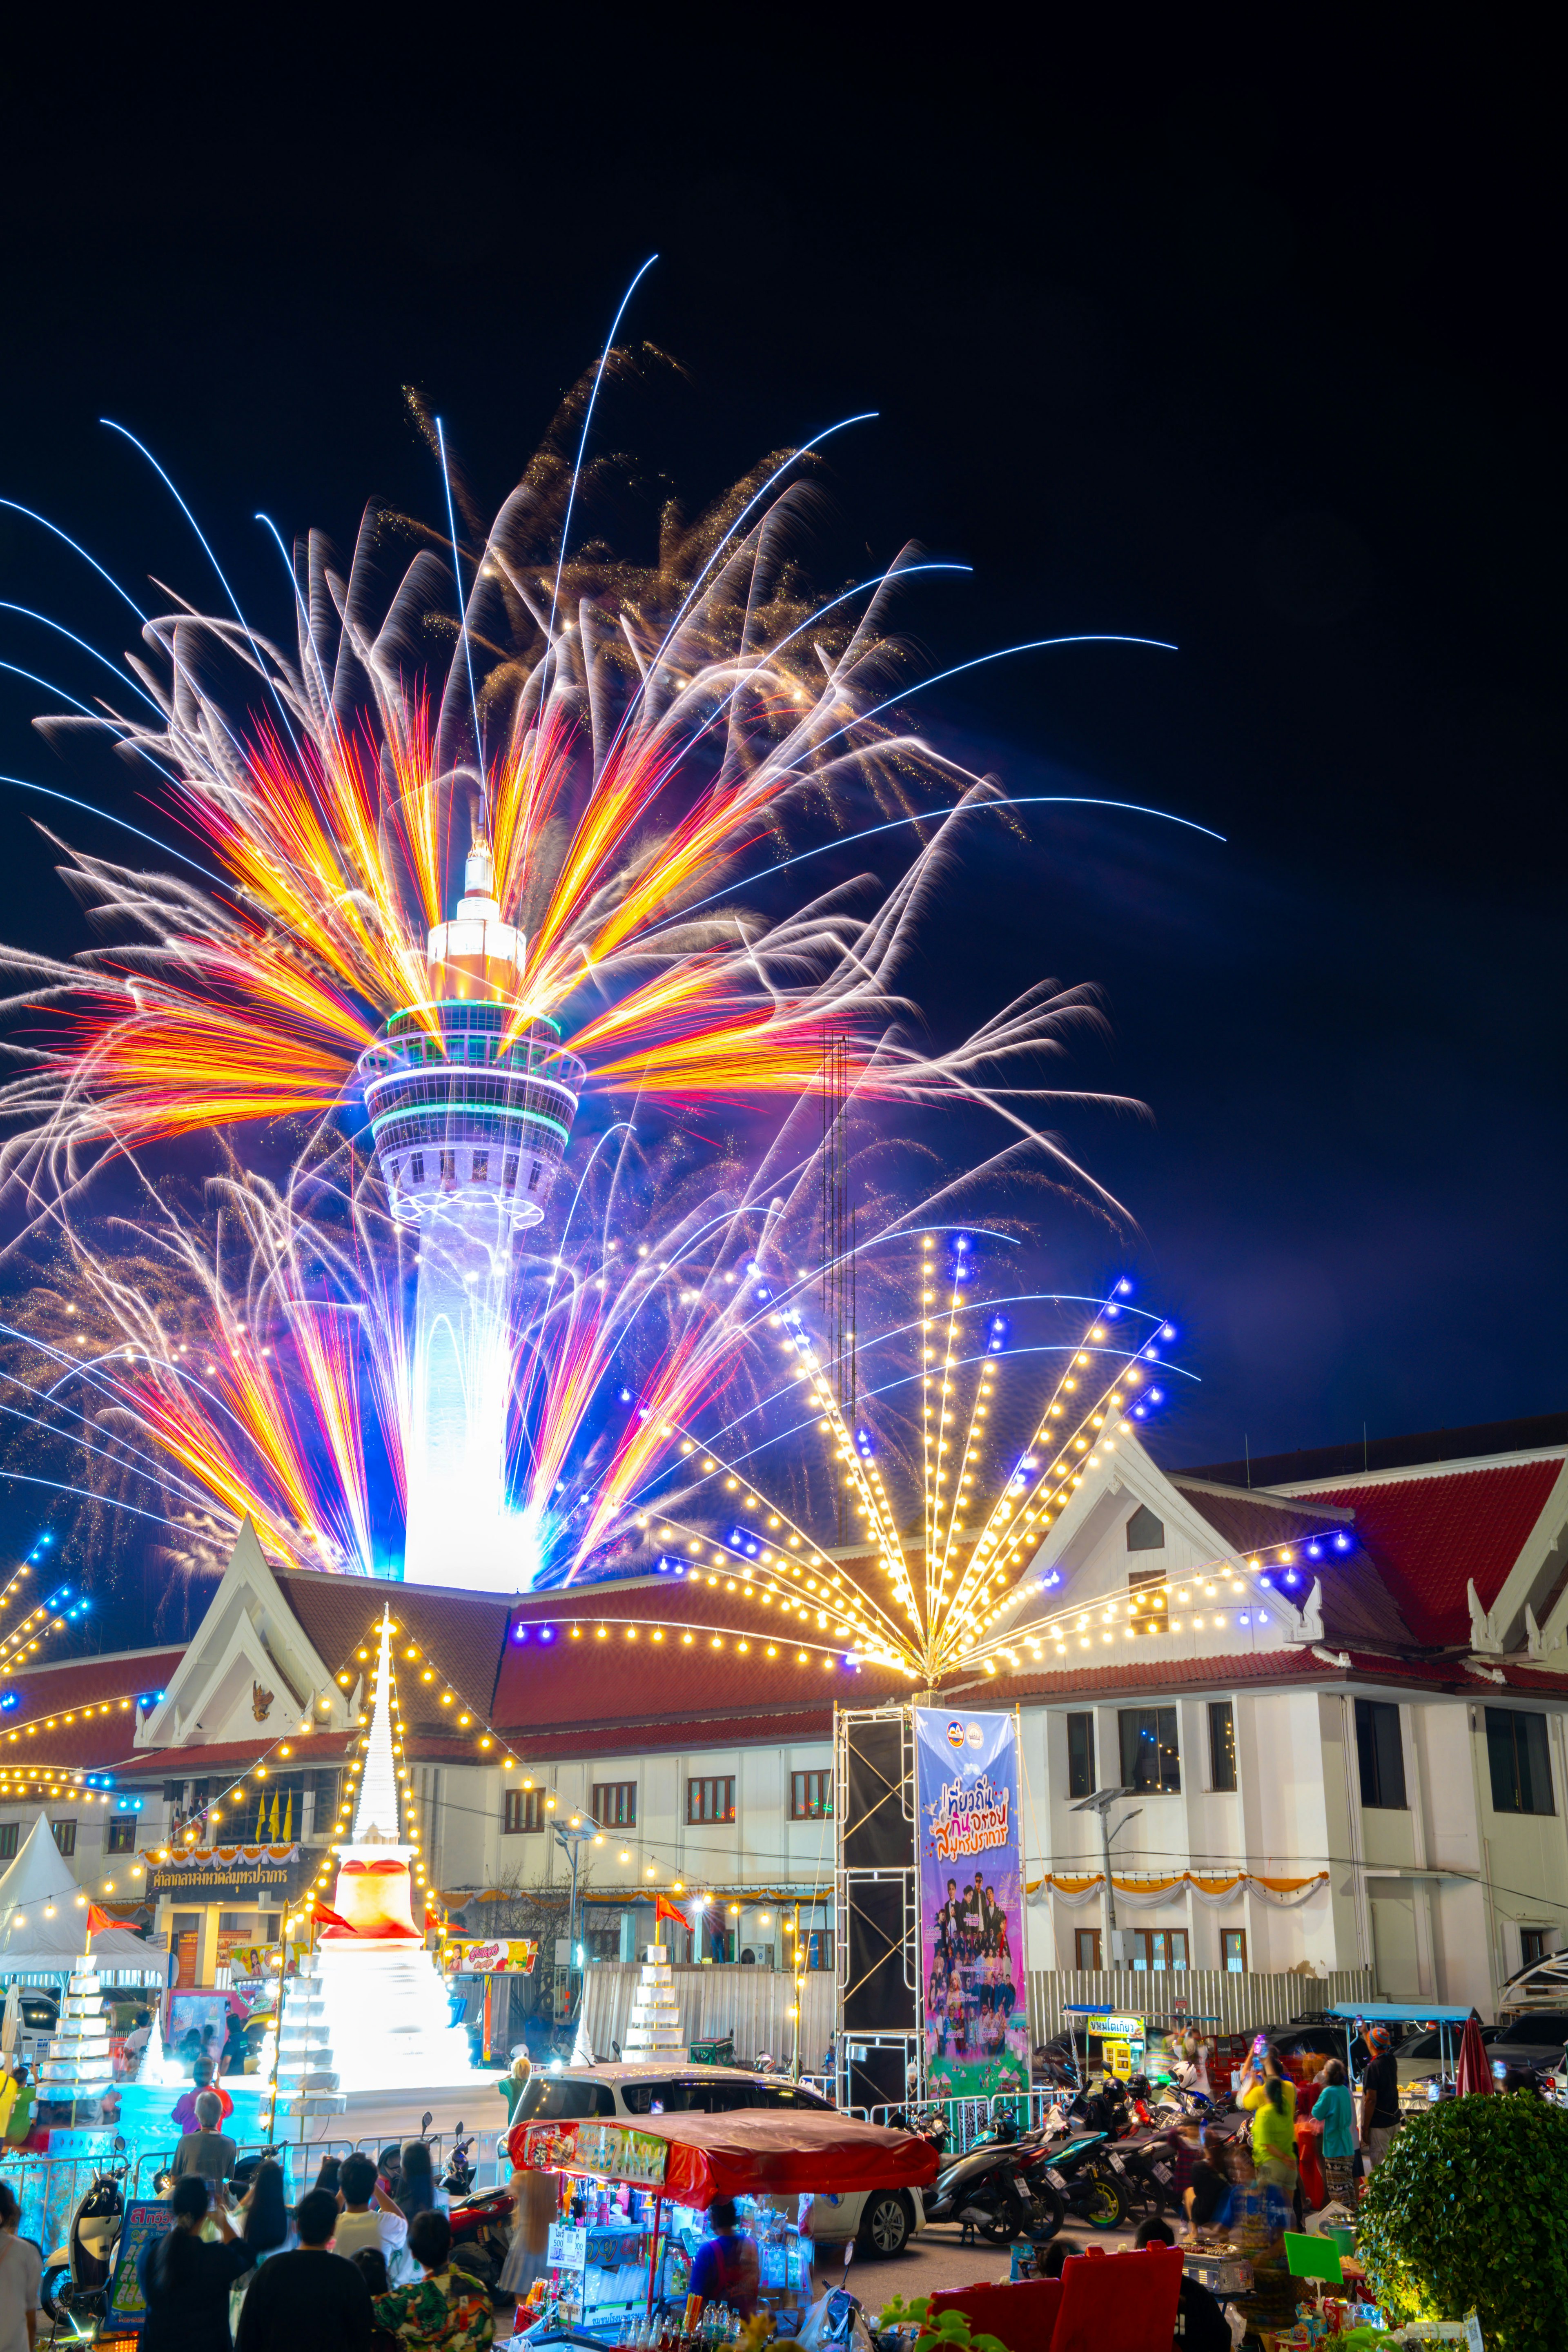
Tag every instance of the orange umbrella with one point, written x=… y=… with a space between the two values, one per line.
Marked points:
x=1474 y=2066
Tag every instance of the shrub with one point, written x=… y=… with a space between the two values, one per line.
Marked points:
x=1468 y=2210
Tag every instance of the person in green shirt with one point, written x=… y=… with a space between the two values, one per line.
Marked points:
x=445 y=2311
x=513 y=2083
x=1267 y=2092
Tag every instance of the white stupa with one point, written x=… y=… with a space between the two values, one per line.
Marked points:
x=655 y=2028
x=363 y=2033
x=78 y=2065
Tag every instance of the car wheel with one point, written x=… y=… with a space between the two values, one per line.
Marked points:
x=885 y=2224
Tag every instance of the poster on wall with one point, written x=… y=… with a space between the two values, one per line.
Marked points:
x=970 y=1868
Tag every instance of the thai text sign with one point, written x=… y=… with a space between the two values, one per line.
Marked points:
x=213 y=1871
x=495 y=1956
x=970 y=1860
x=614 y=2151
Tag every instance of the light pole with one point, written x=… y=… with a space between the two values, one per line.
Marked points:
x=1101 y=1803
x=572 y=1836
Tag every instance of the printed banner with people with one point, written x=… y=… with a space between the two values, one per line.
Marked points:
x=971 y=1865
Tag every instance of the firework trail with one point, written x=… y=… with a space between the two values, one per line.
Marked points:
x=477 y=841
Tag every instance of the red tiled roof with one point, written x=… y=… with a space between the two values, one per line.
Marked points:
x=684 y=1734
x=460 y=1634
x=80 y=1688
x=583 y=1681
x=1428 y=1536
x=1253 y=1522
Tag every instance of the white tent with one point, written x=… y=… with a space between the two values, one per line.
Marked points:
x=43 y=1921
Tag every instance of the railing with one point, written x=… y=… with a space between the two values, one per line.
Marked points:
x=969 y=2120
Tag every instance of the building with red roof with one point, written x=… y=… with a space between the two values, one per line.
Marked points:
x=1334 y=1692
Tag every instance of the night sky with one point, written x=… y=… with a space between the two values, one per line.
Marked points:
x=1258 y=355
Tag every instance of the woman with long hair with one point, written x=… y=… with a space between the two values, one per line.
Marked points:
x=1268 y=2091
x=416 y=2191
x=185 y=2280
x=267 y=2225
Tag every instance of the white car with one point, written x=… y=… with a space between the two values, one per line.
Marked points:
x=880 y=2222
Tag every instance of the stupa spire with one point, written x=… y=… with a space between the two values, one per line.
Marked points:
x=376 y=1814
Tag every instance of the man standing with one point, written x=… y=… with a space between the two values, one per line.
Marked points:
x=369 y=2218
x=307 y=2301
x=1379 y=2099
x=185 y=2104
x=206 y=2151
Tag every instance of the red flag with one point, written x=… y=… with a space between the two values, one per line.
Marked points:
x=663 y=1909
x=325 y=1917
x=98 y=1919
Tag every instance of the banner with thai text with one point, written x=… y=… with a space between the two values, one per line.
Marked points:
x=971 y=1865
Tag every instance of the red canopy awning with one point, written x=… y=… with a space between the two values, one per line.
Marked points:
x=764 y=2151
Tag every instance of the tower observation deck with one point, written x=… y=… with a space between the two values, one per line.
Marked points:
x=472 y=1102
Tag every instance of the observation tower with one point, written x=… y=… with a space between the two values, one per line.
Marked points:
x=470 y=1102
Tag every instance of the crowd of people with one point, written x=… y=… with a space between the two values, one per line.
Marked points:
x=360 y=2263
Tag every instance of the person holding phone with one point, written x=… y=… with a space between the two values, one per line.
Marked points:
x=1269 y=2093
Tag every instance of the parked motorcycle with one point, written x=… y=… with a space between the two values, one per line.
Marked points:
x=481 y=2232
x=998 y=2191
x=75 y=2284
x=458 y=2177
x=1079 y=2173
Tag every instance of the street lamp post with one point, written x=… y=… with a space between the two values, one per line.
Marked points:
x=1101 y=1803
x=572 y=1836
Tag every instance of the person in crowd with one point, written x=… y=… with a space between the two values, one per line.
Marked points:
x=138 y=2038
x=185 y=2281
x=327 y=2178
x=726 y=2269
x=185 y=2104
x=1200 y=2322
x=369 y=2216
x=417 y=2189
x=1206 y=2199
x=534 y=2199
x=1056 y=2255
x=21 y=2270
x=190 y=2047
x=1335 y=2110
x=236 y=2049
x=266 y=2229
x=389 y=2169
x=206 y=2150
x=513 y=2083
x=1269 y=2096
x=1379 y=2099
x=307 y=2301
x=445 y=2308
x=371 y=2265
x=19 y=2117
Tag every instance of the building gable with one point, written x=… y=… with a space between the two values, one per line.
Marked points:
x=251 y=1673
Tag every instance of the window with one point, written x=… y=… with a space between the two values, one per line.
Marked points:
x=1086 y=1948
x=551 y=2099
x=1221 y=1745
x=1521 y=1770
x=1532 y=1945
x=615 y=1804
x=1151 y=1598
x=481 y=1167
x=511 y=1171
x=1144 y=1531
x=121 y=1838
x=1159 y=1947
x=1233 y=1951
x=416 y=1168
x=173 y=1793
x=1080 y=1755
x=10 y=1836
x=65 y=1835
x=524 y=1810
x=1381 y=1752
x=1151 y=1759
x=711 y=1800
x=811 y=1796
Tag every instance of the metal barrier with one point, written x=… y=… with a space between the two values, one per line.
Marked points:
x=969 y=2120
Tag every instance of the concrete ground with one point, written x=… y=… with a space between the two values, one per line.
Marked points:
x=935 y=2260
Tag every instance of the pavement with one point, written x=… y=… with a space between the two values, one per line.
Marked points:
x=933 y=2261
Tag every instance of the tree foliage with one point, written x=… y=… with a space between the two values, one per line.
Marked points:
x=1468 y=2210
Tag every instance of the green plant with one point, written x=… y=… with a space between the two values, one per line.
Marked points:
x=948 y=2329
x=1468 y=2210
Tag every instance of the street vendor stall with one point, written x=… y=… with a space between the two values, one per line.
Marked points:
x=633 y=2197
x=1115 y=2041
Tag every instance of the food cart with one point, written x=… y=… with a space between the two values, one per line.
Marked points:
x=634 y=2195
x=1115 y=2041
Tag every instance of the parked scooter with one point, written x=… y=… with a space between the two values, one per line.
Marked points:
x=1080 y=2174
x=999 y=2191
x=481 y=2232
x=458 y=2177
x=75 y=2284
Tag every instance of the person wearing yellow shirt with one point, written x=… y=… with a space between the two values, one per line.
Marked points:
x=1267 y=2092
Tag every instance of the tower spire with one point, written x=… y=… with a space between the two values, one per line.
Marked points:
x=376 y=1814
